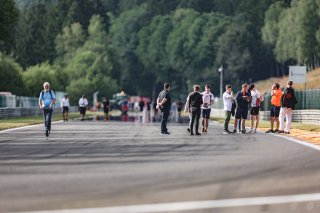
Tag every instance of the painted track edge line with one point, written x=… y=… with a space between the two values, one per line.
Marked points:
x=301 y=142
x=27 y=126
x=195 y=205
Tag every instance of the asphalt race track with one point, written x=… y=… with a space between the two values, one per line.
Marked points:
x=98 y=166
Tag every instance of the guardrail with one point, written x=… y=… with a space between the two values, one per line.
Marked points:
x=15 y=112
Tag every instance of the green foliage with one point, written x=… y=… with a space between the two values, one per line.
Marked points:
x=235 y=55
x=270 y=30
x=35 y=76
x=11 y=76
x=72 y=38
x=8 y=19
x=91 y=66
x=135 y=45
x=124 y=30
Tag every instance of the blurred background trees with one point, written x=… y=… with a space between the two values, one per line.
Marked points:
x=136 y=45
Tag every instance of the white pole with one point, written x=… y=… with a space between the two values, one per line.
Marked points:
x=221 y=80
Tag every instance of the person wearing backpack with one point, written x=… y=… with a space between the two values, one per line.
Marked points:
x=193 y=105
x=288 y=102
x=47 y=99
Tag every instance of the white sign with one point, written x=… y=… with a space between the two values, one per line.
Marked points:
x=298 y=74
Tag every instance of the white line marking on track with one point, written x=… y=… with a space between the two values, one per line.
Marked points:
x=307 y=144
x=310 y=145
x=196 y=205
x=25 y=127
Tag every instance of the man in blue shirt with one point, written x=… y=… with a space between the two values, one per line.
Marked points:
x=47 y=99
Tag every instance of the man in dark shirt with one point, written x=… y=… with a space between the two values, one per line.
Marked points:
x=164 y=103
x=243 y=99
x=106 y=107
x=193 y=105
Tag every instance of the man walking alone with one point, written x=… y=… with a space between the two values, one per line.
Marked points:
x=47 y=99
x=164 y=103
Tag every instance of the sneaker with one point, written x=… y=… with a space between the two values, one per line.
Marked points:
x=250 y=131
x=191 y=134
x=280 y=131
x=254 y=131
x=270 y=131
x=239 y=131
x=243 y=131
x=198 y=133
x=203 y=130
x=234 y=131
x=226 y=132
x=286 y=132
x=188 y=129
x=276 y=131
x=47 y=133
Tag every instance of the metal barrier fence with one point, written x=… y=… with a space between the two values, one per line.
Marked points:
x=302 y=116
x=309 y=99
x=27 y=102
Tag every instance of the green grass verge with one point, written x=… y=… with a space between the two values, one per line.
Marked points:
x=30 y=120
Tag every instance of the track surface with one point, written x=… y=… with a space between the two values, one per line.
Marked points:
x=103 y=164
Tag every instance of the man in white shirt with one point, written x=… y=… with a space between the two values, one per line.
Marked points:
x=208 y=100
x=65 y=107
x=255 y=107
x=83 y=103
x=227 y=102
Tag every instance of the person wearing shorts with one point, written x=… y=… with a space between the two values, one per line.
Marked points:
x=276 y=94
x=65 y=107
x=83 y=103
x=243 y=98
x=207 y=99
x=255 y=108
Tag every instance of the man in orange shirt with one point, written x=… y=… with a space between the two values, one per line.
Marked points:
x=276 y=94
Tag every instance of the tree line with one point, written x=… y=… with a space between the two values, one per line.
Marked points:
x=136 y=45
